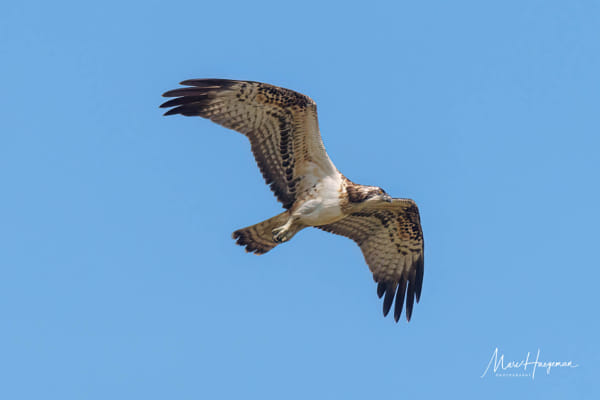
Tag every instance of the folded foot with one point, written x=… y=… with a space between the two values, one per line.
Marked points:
x=281 y=234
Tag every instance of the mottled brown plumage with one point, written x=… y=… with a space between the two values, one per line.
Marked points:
x=391 y=240
x=280 y=123
x=283 y=130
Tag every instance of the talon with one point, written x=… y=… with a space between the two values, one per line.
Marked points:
x=279 y=235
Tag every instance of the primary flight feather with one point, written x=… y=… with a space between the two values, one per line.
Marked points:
x=283 y=130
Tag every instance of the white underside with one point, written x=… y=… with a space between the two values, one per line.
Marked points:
x=322 y=204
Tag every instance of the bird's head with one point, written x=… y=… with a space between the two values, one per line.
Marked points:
x=379 y=195
x=361 y=194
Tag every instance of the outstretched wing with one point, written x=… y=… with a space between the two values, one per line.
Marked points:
x=391 y=240
x=281 y=124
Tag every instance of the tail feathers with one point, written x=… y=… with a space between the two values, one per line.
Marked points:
x=258 y=238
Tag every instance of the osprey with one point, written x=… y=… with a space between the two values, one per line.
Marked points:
x=283 y=130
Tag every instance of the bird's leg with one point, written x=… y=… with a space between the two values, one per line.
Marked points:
x=285 y=232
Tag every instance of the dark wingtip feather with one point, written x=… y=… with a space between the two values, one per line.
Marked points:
x=390 y=290
x=420 y=270
x=380 y=289
x=207 y=82
x=410 y=298
x=182 y=100
x=172 y=111
x=173 y=93
x=189 y=110
x=188 y=91
x=400 y=299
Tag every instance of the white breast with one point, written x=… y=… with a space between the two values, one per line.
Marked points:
x=321 y=203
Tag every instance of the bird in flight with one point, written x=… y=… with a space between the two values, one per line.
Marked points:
x=283 y=130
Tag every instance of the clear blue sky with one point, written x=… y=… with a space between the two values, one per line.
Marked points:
x=119 y=279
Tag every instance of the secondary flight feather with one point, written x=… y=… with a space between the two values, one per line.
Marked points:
x=284 y=136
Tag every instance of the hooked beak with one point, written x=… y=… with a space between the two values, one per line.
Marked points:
x=387 y=198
